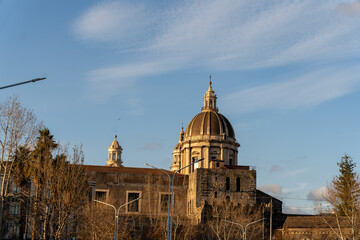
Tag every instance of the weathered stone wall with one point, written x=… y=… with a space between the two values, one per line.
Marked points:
x=208 y=186
x=148 y=183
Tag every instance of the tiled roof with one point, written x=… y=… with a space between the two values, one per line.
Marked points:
x=316 y=221
x=95 y=168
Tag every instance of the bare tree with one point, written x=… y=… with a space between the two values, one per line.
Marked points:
x=225 y=212
x=97 y=222
x=18 y=127
x=69 y=189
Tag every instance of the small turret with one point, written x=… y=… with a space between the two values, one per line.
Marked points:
x=210 y=99
x=114 y=154
x=181 y=134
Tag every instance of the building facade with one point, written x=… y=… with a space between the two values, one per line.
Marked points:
x=215 y=179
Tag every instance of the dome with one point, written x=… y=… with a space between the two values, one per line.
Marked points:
x=209 y=123
x=209 y=136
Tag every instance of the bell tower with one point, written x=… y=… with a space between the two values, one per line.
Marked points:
x=114 y=154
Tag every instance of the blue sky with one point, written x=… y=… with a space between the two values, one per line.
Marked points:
x=286 y=74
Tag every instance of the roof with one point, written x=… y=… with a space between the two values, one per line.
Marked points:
x=263 y=197
x=240 y=167
x=209 y=123
x=316 y=221
x=96 y=168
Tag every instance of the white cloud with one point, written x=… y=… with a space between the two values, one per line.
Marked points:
x=111 y=20
x=271 y=188
x=297 y=210
x=307 y=90
x=300 y=186
x=296 y=172
x=349 y=8
x=226 y=35
x=317 y=194
x=275 y=168
x=109 y=81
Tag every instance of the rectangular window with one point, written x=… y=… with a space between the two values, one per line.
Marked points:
x=101 y=195
x=15 y=189
x=14 y=209
x=164 y=202
x=133 y=207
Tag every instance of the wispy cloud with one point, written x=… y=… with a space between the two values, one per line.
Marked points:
x=275 y=168
x=349 y=8
x=295 y=172
x=152 y=146
x=297 y=210
x=317 y=194
x=271 y=188
x=112 y=21
x=307 y=90
x=224 y=35
x=299 y=187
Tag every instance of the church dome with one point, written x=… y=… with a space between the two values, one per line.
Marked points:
x=209 y=122
x=209 y=136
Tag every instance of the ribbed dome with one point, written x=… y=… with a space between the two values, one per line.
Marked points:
x=209 y=123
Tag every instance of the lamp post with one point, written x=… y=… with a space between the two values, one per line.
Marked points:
x=171 y=202
x=168 y=218
x=116 y=214
x=172 y=192
x=244 y=229
x=16 y=84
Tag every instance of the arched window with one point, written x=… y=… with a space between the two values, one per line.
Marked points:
x=227 y=183
x=231 y=162
x=238 y=184
x=113 y=156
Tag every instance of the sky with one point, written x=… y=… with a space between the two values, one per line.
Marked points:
x=286 y=74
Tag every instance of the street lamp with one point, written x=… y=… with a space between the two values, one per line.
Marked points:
x=16 y=84
x=244 y=229
x=116 y=214
x=171 y=202
x=167 y=228
x=172 y=193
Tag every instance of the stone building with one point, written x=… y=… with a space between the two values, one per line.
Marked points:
x=217 y=178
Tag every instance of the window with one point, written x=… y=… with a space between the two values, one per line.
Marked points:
x=101 y=195
x=113 y=156
x=134 y=206
x=196 y=165
x=215 y=194
x=14 y=209
x=217 y=164
x=227 y=183
x=164 y=202
x=230 y=162
x=15 y=189
x=238 y=184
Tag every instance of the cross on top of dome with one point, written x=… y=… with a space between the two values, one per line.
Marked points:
x=210 y=99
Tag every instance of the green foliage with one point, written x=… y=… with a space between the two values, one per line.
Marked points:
x=346 y=187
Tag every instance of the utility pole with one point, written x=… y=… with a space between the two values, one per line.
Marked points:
x=263 y=208
x=20 y=83
x=271 y=212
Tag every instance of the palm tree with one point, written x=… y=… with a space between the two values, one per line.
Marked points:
x=41 y=163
